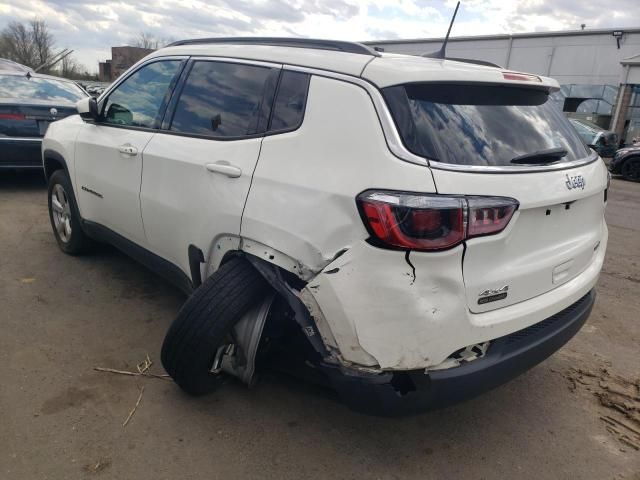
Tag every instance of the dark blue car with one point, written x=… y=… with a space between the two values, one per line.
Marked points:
x=29 y=102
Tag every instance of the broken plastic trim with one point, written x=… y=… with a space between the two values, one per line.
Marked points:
x=463 y=355
x=273 y=275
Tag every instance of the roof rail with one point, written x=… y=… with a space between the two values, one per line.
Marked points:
x=337 y=45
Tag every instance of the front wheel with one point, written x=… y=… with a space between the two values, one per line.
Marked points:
x=64 y=216
x=631 y=169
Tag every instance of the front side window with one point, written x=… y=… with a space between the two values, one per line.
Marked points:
x=221 y=99
x=139 y=100
x=22 y=87
x=480 y=124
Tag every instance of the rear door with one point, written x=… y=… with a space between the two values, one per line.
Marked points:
x=109 y=152
x=510 y=142
x=197 y=171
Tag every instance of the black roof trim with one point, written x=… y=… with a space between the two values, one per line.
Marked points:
x=337 y=45
x=472 y=60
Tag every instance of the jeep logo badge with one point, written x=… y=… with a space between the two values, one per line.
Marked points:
x=575 y=182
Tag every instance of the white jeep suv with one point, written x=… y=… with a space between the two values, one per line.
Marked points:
x=409 y=231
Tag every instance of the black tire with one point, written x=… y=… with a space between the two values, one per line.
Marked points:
x=205 y=321
x=631 y=169
x=76 y=241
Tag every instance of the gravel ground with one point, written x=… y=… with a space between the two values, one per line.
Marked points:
x=62 y=316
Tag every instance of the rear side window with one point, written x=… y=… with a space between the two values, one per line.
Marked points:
x=288 y=109
x=221 y=100
x=480 y=124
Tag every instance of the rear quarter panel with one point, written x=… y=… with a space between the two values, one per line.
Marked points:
x=302 y=199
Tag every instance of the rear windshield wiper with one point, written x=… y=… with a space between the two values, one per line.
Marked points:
x=541 y=156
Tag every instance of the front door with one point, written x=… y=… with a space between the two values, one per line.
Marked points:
x=108 y=162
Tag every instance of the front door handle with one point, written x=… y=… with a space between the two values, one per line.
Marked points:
x=224 y=168
x=128 y=149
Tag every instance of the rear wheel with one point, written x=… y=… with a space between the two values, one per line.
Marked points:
x=64 y=215
x=203 y=326
x=631 y=169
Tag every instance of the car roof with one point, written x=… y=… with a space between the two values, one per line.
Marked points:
x=382 y=69
x=11 y=66
x=32 y=74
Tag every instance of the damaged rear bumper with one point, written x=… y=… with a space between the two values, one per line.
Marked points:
x=411 y=392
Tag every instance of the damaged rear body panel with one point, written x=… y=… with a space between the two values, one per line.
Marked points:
x=380 y=310
x=407 y=323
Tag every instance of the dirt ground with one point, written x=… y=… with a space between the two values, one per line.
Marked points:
x=62 y=316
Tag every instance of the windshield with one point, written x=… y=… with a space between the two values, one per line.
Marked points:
x=480 y=124
x=21 y=87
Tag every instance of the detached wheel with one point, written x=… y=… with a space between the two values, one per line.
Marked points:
x=631 y=169
x=64 y=215
x=204 y=324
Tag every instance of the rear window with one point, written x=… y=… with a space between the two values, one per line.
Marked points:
x=21 y=87
x=480 y=124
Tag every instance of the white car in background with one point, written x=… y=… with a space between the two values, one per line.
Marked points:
x=410 y=231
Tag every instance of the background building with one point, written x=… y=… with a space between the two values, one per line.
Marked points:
x=121 y=59
x=599 y=70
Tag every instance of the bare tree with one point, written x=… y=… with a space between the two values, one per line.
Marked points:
x=42 y=41
x=17 y=44
x=30 y=44
x=148 y=40
x=70 y=68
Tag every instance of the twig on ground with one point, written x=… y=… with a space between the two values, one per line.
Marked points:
x=132 y=374
x=135 y=407
x=144 y=365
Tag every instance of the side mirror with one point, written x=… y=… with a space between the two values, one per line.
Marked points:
x=88 y=108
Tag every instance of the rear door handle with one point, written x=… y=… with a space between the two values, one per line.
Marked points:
x=224 y=168
x=127 y=149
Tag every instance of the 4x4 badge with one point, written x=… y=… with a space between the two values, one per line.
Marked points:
x=577 y=181
x=493 y=294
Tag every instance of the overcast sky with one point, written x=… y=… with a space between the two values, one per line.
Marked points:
x=92 y=27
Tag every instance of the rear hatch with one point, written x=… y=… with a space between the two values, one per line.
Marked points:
x=30 y=102
x=505 y=141
x=30 y=119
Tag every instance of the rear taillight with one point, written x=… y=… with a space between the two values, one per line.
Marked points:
x=489 y=215
x=431 y=222
x=12 y=116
